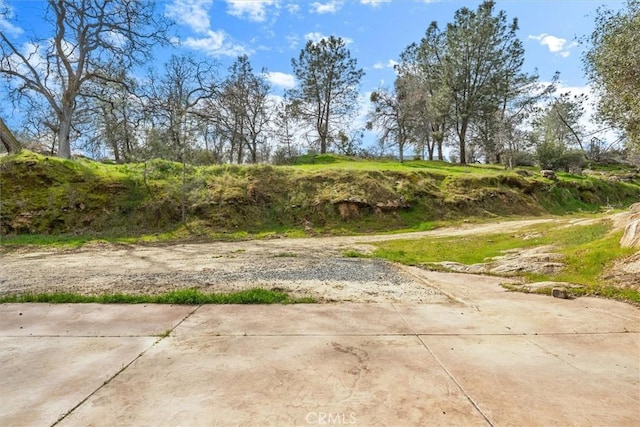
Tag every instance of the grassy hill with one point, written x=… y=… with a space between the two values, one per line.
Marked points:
x=327 y=194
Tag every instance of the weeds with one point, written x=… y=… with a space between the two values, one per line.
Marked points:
x=178 y=297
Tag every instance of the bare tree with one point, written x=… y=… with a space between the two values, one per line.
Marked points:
x=242 y=111
x=86 y=34
x=283 y=131
x=174 y=101
x=391 y=119
x=425 y=94
x=115 y=114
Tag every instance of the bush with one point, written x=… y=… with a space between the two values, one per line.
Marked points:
x=556 y=157
x=521 y=158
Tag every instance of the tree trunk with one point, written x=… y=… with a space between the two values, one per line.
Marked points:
x=9 y=141
x=463 y=146
x=431 y=147
x=64 y=143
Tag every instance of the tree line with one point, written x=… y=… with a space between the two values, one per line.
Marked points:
x=462 y=86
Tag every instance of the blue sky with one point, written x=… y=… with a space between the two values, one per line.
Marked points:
x=271 y=32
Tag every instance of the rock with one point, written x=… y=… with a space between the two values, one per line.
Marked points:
x=560 y=293
x=537 y=286
x=458 y=267
x=631 y=236
x=547 y=173
x=539 y=259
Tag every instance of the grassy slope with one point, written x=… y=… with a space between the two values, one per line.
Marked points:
x=588 y=250
x=49 y=196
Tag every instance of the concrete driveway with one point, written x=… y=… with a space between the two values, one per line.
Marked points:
x=486 y=357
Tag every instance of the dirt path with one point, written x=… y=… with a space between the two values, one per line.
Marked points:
x=303 y=267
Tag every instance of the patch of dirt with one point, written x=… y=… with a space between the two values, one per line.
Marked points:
x=302 y=267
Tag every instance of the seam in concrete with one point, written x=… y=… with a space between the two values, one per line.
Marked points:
x=80 y=336
x=411 y=334
x=114 y=376
x=372 y=334
x=473 y=403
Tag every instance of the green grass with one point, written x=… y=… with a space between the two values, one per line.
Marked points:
x=588 y=250
x=285 y=255
x=355 y=254
x=181 y=297
x=54 y=202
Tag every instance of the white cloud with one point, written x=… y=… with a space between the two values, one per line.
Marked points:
x=6 y=13
x=192 y=13
x=316 y=37
x=390 y=64
x=555 y=44
x=195 y=15
x=293 y=40
x=332 y=6
x=283 y=80
x=293 y=8
x=254 y=10
x=374 y=3
x=215 y=44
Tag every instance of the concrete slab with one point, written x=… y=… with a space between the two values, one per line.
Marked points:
x=89 y=319
x=541 y=314
x=305 y=319
x=515 y=381
x=436 y=319
x=358 y=364
x=615 y=363
x=201 y=381
x=44 y=378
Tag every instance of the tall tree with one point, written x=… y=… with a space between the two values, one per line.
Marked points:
x=243 y=110
x=85 y=35
x=328 y=79
x=482 y=56
x=430 y=75
x=612 y=64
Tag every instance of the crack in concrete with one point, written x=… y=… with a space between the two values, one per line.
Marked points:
x=449 y=374
x=114 y=376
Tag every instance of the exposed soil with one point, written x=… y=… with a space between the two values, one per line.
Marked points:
x=303 y=267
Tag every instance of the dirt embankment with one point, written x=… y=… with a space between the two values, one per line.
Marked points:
x=51 y=196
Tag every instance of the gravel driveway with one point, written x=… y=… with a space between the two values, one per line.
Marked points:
x=303 y=267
